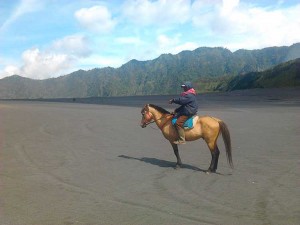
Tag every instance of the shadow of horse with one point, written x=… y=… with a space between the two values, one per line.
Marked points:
x=162 y=163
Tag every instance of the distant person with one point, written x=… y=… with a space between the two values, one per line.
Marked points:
x=188 y=108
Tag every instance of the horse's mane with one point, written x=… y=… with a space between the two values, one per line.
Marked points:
x=160 y=109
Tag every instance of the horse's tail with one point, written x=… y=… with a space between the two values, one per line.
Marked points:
x=227 y=141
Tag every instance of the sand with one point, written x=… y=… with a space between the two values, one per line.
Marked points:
x=66 y=163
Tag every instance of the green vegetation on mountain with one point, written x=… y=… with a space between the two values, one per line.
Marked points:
x=210 y=69
x=284 y=75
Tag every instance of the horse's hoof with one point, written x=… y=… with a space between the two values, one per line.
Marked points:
x=209 y=171
x=178 y=166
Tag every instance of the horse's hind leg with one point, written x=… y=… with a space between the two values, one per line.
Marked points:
x=214 y=150
x=175 y=149
x=214 y=160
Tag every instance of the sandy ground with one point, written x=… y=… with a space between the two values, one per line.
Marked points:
x=64 y=163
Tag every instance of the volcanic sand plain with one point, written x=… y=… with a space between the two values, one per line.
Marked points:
x=73 y=163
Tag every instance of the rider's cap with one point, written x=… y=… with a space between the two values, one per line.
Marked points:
x=187 y=84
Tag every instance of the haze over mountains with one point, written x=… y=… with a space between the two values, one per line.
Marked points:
x=210 y=69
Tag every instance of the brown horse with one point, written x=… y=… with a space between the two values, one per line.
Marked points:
x=205 y=127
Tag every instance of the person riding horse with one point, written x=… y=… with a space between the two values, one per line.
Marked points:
x=188 y=108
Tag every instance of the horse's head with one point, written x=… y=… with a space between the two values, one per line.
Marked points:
x=147 y=117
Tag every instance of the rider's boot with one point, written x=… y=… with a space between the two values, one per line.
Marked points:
x=181 y=135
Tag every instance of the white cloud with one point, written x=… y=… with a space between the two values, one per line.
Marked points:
x=229 y=6
x=173 y=45
x=96 y=19
x=161 y=12
x=185 y=46
x=102 y=61
x=165 y=42
x=24 y=7
x=55 y=60
x=75 y=45
x=241 y=25
x=41 y=65
x=9 y=70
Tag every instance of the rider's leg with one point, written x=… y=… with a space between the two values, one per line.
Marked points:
x=179 y=127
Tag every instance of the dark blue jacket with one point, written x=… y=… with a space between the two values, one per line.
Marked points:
x=188 y=102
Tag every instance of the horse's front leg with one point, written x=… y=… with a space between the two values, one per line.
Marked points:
x=175 y=149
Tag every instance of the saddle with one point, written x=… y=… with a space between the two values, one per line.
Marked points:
x=189 y=124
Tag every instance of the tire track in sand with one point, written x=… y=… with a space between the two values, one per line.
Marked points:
x=27 y=160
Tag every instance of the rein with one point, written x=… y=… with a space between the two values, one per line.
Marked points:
x=163 y=117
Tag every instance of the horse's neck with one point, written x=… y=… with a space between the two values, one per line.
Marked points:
x=160 y=118
x=157 y=115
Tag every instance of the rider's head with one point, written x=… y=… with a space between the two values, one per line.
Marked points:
x=187 y=85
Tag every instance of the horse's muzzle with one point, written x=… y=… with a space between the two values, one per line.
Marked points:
x=143 y=125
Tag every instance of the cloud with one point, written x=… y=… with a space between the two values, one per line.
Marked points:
x=228 y=6
x=96 y=19
x=159 y=13
x=75 y=45
x=185 y=46
x=53 y=61
x=25 y=6
x=173 y=45
x=102 y=61
x=9 y=70
x=41 y=65
x=236 y=24
x=165 y=42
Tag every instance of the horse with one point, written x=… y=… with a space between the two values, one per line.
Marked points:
x=205 y=127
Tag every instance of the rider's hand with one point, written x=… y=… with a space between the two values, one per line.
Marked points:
x=171 y=101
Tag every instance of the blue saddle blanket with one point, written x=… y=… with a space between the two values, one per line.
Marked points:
x=187 y=124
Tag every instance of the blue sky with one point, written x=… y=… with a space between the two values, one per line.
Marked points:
x=41 y=39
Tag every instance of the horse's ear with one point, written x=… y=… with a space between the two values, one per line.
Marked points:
x=145 y=108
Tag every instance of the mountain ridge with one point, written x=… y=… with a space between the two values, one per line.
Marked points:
x=161 y=75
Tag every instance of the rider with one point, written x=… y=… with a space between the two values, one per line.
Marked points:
x=188 y=108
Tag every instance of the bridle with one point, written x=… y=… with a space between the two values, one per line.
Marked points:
x=150 y=119
x=147 y=118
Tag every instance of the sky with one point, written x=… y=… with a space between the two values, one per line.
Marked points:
x=42 y=39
